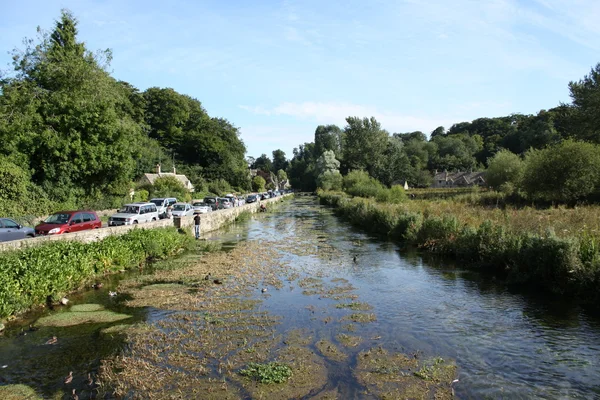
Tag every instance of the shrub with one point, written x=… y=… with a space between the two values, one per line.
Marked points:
x=504 y=168
x=563 y=173
x=258 y=184
x=27 y=276
x=330 y=180
x=168 y=186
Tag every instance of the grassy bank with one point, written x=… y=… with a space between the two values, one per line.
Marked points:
x=556 y=249
x=28 y=276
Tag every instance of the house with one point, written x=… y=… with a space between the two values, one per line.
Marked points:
x=150 y=178
x=457 y=179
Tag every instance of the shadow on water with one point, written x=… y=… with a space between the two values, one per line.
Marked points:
x=507 y=343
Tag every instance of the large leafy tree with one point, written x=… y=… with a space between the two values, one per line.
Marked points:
x=364 y=144
x=279 y=160
x=586 y=102
x=328 y=137
x=65 y=117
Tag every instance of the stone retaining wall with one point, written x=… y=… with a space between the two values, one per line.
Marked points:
x=210 y=221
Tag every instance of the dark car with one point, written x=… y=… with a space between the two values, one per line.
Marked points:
x=212 y=201
x=252 y=198
x=68 y=221
x=12 y=230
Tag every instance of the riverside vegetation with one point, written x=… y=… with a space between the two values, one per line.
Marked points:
x=556 y=249
x=28 y=276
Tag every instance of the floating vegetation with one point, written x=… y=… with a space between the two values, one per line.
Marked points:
x=330 y=350
x=210 y=340
x=348 y=340
x=393 y=375
x=18 y=392
x=81 y=314
x=355 y=306
x=272 y=372
x=362 y=318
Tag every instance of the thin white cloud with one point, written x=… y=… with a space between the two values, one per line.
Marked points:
x=336 y=113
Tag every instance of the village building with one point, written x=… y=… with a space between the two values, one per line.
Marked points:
x=458 y=179
x=150 y=178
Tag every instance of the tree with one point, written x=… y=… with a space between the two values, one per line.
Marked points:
x=282 y=178
x=564 y=173
x=327 y=171
x=279 y=160
x=586 y=102
x=169 y=186
x=365 y=143
x=328 y=137
x=78 y=140
x=258 y=184
x=439 y=131
x=504 y=167
x=263 y=163
x=301 y=171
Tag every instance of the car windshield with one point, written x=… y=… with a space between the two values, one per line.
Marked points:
x=159 y=203
x=58 y=218
x=130 y=210
x=199 y=204
x=179 y=207
x=209 y=200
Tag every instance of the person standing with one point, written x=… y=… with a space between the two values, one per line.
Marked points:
x=197 y=225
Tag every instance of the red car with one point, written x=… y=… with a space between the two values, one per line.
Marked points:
x=68 y=221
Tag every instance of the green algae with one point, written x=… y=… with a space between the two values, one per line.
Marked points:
x=18 y=392
x=81 y=314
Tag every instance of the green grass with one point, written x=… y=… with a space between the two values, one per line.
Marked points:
x=557 y=248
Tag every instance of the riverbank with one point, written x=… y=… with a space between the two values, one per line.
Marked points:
x=557 y=249
x=41 y=270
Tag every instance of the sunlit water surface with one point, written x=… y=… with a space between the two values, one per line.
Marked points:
x=505 y=344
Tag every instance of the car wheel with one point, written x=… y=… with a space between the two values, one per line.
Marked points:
x=153 y=219
x=135 y=222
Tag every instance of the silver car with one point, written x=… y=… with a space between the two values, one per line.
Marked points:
x=11 y=230
x=182 y=210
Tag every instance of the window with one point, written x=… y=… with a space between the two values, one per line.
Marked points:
x=10 y=224
x=78 y=218
x=87 y=217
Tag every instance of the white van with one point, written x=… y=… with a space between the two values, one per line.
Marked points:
x=134 y=213
x=162 y=203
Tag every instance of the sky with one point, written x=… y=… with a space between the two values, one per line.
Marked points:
x=278 y=69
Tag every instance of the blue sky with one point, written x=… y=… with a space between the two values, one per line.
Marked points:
x=277 y=69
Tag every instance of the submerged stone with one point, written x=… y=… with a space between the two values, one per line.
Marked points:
x=81 y=314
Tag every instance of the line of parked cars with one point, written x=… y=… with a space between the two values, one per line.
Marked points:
x=130 y=214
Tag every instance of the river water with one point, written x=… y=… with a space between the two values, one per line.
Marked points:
x=505 y=344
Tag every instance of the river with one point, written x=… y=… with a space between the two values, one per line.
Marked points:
x=505 y=344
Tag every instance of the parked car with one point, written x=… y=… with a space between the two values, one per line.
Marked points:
x=201 y=207
x=252 y=198
x=162 y=204
x=134 y=213
x=182 y=210
x=12 y=230
x=225 y=202
x=68 y=221
x=213 y=201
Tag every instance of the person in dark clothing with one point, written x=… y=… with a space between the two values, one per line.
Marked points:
x=197 y=225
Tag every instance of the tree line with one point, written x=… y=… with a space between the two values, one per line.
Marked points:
x=392 y=158
x=71 y=135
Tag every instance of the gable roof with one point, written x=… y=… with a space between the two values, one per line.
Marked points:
x=468 y=177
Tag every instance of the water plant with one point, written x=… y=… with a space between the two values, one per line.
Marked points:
x=272 y=372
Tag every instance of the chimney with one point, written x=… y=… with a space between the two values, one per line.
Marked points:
x=174 y=170
x=158 y=169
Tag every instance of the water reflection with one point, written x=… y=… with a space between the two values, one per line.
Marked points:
x=507 y=343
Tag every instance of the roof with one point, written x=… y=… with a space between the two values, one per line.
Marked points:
x=468 y=177
x=181 y=178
